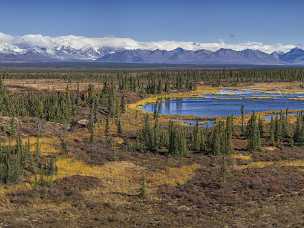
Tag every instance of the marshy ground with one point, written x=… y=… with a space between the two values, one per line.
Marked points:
x=101 y=184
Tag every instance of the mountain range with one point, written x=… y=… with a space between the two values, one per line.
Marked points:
x=37 y=49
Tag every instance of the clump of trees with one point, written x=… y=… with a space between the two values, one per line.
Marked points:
x=281 y=131
x=62 y=106
x=18 y=160
x=176 y=139
x=108 y=102
x=59 y=107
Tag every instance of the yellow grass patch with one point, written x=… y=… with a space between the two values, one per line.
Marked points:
x=124 y=176
x=114 y=175
x=48 y=145
x=241 y=157
x=263 y=164
x=69 y=167
x=172 y=176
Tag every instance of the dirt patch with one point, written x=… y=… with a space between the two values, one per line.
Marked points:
x=283 y=153
x=65 y=189
x=209 y=193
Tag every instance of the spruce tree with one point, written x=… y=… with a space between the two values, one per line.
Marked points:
x=272 y=132
x=299 y=130
x=173 y=146
x=12 y=128
x=203 y=140
x=216 y=138
x=91 y=127
x=123 y=104
x=119 y=126
x=196 y=144
x=107 y=127
x=228 y=135
x=253 y=135
x=156 y=135
x=147 y=134
x=277 y=133
x=243 y=120
x=182 y=143
x=261 y=126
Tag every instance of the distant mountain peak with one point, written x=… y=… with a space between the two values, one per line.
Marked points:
x=36 y=47
x=294 y=56
x=179 y=49
x=225 y=50
x=296 y=49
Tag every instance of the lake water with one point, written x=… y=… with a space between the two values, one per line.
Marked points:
x=229 y=102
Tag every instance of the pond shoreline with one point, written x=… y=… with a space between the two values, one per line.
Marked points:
x=202 y=92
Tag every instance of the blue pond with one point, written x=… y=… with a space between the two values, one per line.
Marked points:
x=229 y=102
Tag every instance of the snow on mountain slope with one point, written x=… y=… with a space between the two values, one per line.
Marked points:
x=36 y=47
x=181 y=56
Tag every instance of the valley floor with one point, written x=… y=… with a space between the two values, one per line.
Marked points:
x=105 y=185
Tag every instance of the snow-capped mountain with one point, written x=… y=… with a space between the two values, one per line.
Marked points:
x=205 y=57
x=294 y=56
x=38 y=48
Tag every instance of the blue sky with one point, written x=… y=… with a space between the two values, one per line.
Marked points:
x=233 y=21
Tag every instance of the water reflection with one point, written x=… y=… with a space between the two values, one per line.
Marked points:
x=229 y=102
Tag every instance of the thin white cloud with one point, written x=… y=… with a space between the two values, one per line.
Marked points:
x=18 y=43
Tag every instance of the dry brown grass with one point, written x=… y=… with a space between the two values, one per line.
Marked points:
x=47 y=84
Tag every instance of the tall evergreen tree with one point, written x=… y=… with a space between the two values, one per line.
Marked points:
x=107 y=127
x=123 y=105
x=119 y=126
x=272 y=132
x=243 y=120
x=253 y=134
x=182 y=148
x=228 y=134
x=173 y=146
x=147 y=134
x=196 y=139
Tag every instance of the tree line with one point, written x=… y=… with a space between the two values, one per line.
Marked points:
x=178 y=139
x=162 y=81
